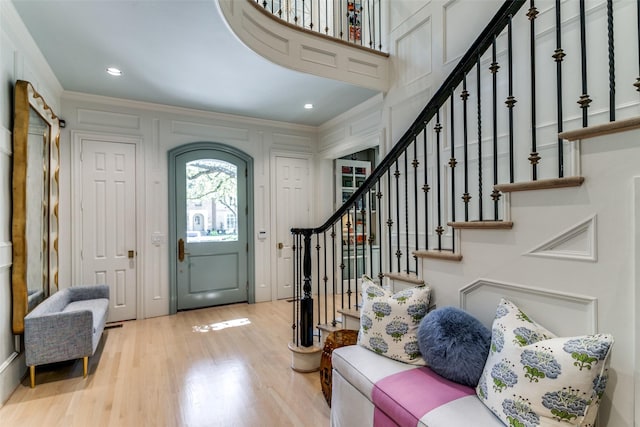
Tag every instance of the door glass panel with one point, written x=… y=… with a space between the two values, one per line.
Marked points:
x=212 y=201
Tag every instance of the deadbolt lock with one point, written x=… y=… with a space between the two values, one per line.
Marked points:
x=280 y=245
x=132 y=254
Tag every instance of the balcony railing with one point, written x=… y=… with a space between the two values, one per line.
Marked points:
x=354 y=21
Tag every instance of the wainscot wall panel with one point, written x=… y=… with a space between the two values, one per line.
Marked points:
x=108 y=119
x=414 y=48
x=220 y=133
x=318 y=56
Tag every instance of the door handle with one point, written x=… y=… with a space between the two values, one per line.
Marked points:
x=280 y=245
x=180 y=250
x=131 y=254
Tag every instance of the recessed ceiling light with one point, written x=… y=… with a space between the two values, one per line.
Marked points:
x=308 y=106
x=114 y=71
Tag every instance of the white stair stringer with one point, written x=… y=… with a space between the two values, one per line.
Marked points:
x=576 y=243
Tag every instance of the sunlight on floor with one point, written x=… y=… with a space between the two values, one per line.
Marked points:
x=222 y=325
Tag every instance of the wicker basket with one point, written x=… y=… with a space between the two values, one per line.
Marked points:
x=334 y=340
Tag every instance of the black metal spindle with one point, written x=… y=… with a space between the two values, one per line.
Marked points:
x=415 y=163
x=380 y=24
x=406 y=207
x=319 y=281
x=341 y=13
x=373 y=26
x=612 y=67
x=389 y=220
x=334 y=322
x=479 y=120
x=511 y=100
x=370 y=225
x=465 y=147
x=295 y=12
x=534 y=157
x=637 y=82
x=326 y=19
x=398 y=251
x=379 y=221
x=452 y=161
x=342 y=264
x=425 y=189
x=349 y=256
x=584 y=100
x=495 y=194
x=558 y=56
x=439 y=229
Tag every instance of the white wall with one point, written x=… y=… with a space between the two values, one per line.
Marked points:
x=19 y=59
x=161 y=128
x=426 y=40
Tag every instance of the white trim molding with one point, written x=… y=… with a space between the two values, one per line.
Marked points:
x=576 y=243
x=564 y=314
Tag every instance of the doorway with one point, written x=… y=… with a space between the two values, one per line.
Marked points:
x=107 y=207
x=211 y=222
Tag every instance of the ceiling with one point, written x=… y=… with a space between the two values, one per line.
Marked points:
x=175 y=52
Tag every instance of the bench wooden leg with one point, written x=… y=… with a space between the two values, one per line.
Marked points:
x=32 y=375
x=85 y=363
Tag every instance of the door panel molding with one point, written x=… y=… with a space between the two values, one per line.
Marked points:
x=172 y=240
x=75 y=216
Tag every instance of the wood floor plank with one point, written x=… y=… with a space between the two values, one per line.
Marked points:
x=222 y=366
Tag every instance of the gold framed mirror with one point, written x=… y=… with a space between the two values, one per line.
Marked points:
x=36 y=156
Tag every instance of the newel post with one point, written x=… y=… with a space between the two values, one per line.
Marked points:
x=306 y=304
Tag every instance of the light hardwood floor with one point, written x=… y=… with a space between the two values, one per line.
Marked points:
x=181 y=370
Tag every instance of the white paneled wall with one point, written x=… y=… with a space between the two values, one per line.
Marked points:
x=19 y=59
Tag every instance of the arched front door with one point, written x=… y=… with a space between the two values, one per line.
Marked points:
x=210 y=225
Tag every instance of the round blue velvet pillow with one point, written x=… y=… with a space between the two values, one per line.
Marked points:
x=454 y=344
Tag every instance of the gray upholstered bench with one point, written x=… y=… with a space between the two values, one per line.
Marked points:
x=67 y=325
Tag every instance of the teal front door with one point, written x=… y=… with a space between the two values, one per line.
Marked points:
x=211 y=218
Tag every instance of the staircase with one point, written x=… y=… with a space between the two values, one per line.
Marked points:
x=491 y=131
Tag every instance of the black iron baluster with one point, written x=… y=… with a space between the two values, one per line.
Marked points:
x=379 y=221
x=326 y=19
x=389 y=220
x=452 y=161
x=415 y=163
x=406 y=206
x=465 y=136
x=398 y=251
x=372 y=42
x=584 y=100
x=349 y=254
x=534 y=157
x=495 y=194
x=334 y=322
x=295 y=12
x=439 y=229
x=363 y=238
x=342 y=265
x=370 y=230
x=637 y=83
x=558 y=56
x=325 y=283
x=612 y=69
x=479 y=118
x=425 y=189
x=341 y=27
x=511 y=101
x=326 y=277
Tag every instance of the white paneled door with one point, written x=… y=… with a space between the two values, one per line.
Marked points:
x=108 y=212
x=293 y=210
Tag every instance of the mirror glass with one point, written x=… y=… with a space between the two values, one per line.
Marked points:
x=36 y=134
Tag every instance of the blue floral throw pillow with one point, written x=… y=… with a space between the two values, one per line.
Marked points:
x=533 y=378
x=389 y=322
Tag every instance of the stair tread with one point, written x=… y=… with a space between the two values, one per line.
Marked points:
x=602 y=129
x=541 y=184
x=352 y=312
x=405 y=277
x=481 y=225
x=436 y=254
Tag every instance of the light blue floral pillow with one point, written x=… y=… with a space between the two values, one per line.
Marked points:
x=389 y=322
x=533 y=378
